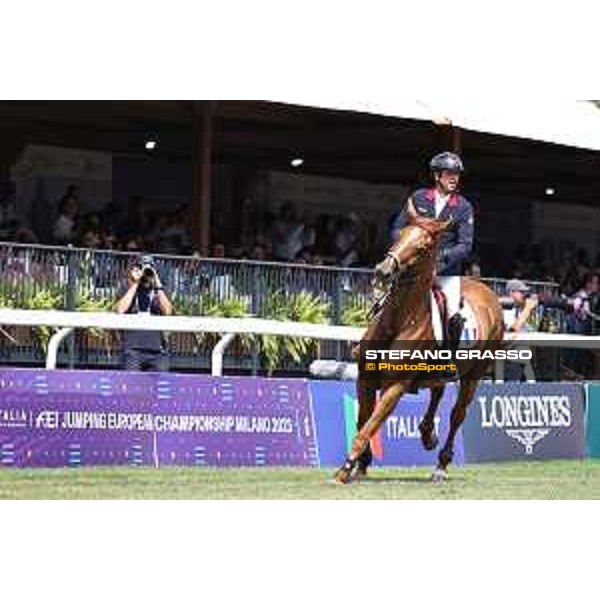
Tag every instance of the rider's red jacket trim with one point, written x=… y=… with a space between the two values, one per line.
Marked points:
x=457 y=242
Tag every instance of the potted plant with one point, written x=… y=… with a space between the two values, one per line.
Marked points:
x=301 y=307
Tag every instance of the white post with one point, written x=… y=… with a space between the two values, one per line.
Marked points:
x=54 y=344
x=217 y=354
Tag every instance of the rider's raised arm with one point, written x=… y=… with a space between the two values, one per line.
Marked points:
x=461 y=250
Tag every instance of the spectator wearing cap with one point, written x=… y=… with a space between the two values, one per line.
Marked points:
x=143 y=293
x=523 y=306
x=516 y=320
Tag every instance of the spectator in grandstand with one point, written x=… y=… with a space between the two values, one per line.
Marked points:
x=259 y=252
x=287 y=234
x=238 y=253
x=309 y=233
x=173 y=233
x=156 y=238
x=143 y=293
x=24 y=235
x=568 y=274
x=317 y=259
x=109 y=218
x=91 y=238
x=346 y=241
x=133 y=244
x=325 y=230
x=108 y=241
x=137 y=222
x=305 y=256
x=64 y=226
x=218 y=250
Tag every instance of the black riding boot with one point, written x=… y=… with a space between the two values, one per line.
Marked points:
x=455 y=327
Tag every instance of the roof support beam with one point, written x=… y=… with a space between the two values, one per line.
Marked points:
x=202 y=150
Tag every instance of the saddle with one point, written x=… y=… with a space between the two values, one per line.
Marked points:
x=442 y=324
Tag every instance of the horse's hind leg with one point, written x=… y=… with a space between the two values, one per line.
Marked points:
x=465 y=395
x=383 y=408
x=366 y=391
x=429 y=437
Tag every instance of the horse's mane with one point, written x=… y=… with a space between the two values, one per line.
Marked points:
x=432 y=226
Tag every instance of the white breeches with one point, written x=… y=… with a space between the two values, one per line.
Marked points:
x=451 y=287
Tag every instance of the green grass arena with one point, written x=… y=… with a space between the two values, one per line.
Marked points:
x=537 y=480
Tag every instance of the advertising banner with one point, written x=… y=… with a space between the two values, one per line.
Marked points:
x=73 y=418
x=593 y=420
x=397 y=444
x=515 y=421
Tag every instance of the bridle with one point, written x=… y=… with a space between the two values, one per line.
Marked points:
x=402 y=276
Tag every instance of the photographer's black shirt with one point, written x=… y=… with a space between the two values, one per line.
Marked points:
x=144 y=301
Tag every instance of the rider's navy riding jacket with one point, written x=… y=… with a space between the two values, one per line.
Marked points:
x=457 y=241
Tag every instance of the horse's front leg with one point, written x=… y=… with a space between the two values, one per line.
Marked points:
x=429 y=438
x=383 y=409
x=366 y=391
x=465 y=396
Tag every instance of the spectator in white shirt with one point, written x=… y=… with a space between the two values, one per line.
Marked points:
x=64 y=226
x=287 y=234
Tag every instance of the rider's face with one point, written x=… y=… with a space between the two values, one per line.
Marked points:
x=448 y=181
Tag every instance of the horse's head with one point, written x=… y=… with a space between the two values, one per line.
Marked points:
x=415 y=244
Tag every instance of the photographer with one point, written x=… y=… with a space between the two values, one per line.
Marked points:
x=580 y=362
x=143 y=294
x=522 y=308
x=579 y=320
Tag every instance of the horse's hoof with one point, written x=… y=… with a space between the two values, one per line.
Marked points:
x=439 y=475
x=342 y=476
x=360 y=474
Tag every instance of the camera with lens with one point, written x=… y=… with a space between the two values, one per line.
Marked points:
x=148 y=270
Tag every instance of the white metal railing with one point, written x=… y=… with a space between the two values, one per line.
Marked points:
x=66 y=321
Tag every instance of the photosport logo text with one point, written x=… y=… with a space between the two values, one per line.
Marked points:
x=527 y=419
x=407 y=361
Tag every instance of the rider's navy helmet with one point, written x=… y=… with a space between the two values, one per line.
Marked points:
x=446 y=161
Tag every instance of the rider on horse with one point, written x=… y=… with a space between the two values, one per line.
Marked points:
x=444 y=202
x=436 y=237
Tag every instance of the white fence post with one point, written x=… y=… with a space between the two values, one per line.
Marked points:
x=53 y=345
x=217 y=354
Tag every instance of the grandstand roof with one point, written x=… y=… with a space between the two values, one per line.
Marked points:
x=383 y=142
x=566 y=122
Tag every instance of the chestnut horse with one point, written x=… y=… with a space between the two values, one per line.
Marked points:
x=408 y=271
